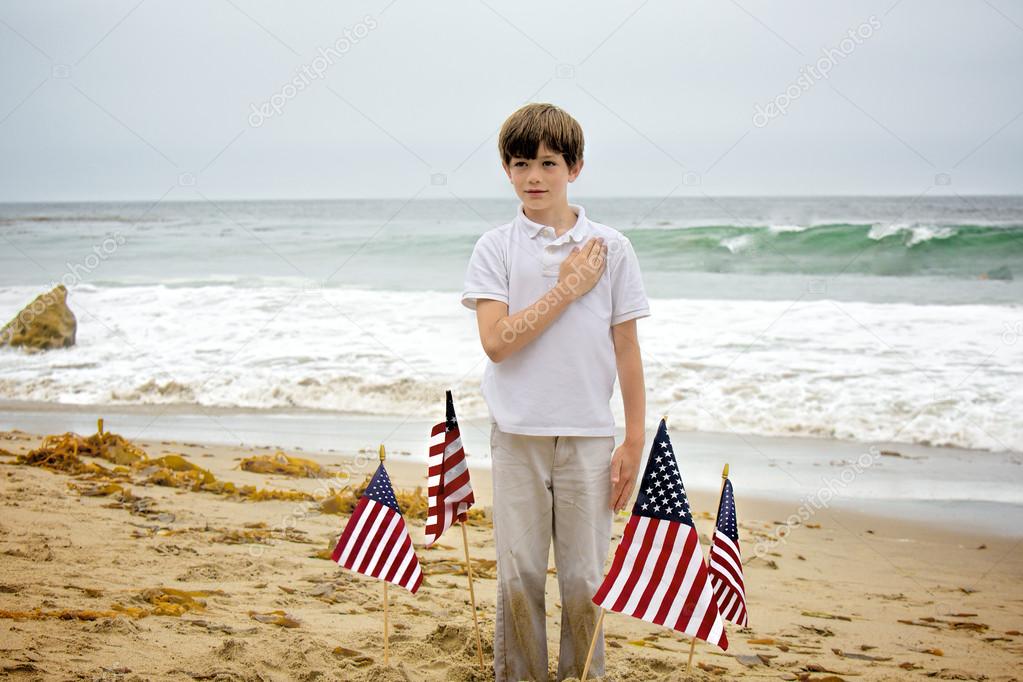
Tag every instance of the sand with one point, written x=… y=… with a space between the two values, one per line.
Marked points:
x=844 y=596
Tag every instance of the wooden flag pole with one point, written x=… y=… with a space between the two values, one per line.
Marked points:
x=387 y=652
x=593 y=645
x=387 y=657
x=472 y=594
x=600 y=621
x=692 y=645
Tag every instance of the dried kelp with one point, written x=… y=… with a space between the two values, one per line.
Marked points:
x=160 y=601
x=485 y=569
x=59 y=614
x=176 y=472
x=258 y=534
x=64 y=452
x=132 y=466
x=278 y=617
x=938 y=624
x=282 y=464
x=168 y=601
x=413 y=503
x=97 y=489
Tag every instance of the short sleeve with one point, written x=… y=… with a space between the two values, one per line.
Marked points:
x=628 y=297
x=487 y=274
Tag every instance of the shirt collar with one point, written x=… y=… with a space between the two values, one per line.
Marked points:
x=578 y=232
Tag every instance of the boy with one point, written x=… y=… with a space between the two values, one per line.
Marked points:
x=556 y=298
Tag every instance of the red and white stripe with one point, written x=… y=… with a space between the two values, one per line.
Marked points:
x=726 y=577
x=376 y=543
x=658 y=575
x=448 y=487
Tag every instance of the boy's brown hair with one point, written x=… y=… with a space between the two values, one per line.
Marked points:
x=532 y=124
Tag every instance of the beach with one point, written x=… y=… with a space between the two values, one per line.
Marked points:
x=842 y=594
x=855 y=361
x=240 y=249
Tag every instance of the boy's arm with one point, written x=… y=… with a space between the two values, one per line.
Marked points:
x=626 y=459
x=503 y=335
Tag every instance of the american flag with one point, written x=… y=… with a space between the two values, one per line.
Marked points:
x=376 y=542
x=448 y=484
x=726 y=562
x=658 y=574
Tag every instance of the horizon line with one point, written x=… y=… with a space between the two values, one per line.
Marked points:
x=4 y=202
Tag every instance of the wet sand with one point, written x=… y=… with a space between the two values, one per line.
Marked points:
x=844 y=595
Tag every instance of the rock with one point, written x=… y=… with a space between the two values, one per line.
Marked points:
x=751 y=660
x=43 y=324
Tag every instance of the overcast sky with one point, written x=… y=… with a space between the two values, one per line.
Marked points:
x=142 y=100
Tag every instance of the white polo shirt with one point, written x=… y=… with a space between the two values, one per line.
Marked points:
x=561 y=383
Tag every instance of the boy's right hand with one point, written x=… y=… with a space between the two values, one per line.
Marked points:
x=582 y=268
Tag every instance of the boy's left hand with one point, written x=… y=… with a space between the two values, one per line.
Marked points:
x=624 y=467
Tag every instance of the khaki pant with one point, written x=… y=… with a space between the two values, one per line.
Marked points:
x=549 y=487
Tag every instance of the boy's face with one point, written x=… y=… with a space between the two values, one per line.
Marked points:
x=542 y=182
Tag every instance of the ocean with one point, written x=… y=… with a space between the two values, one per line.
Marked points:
x=855 y=318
